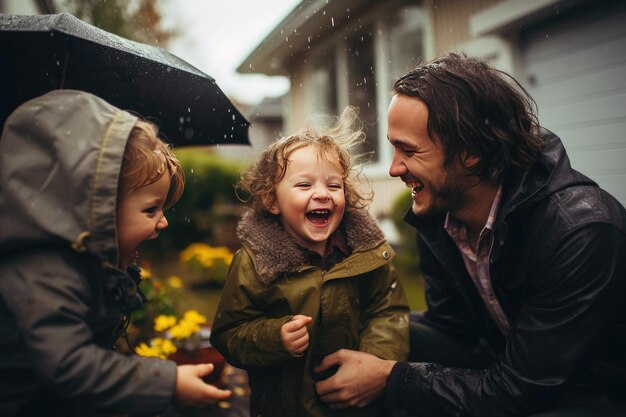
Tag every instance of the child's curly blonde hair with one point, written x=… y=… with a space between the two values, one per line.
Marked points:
x=146 y=159
x=258 y=182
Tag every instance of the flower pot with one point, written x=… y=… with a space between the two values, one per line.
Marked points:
x=202 y=355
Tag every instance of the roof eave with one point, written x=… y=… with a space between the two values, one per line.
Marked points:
x=307 y=23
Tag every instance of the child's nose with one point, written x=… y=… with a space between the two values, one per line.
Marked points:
x=162 y=223
x=322 y=193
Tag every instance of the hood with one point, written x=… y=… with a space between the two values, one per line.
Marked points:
x=275 y=251
x=551 y=173
x=60 y=158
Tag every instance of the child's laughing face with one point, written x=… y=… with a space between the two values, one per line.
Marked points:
x=310 y=199
x=140 y=217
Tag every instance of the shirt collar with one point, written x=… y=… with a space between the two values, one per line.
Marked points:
x=452 y=223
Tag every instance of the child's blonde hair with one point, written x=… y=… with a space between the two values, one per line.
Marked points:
x=146 y=160
x=259 y=180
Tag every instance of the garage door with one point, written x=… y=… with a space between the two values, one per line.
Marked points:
x=575 y=68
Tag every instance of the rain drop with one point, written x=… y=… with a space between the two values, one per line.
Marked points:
x=188 y=110
x=332 y=21
x=181 y=120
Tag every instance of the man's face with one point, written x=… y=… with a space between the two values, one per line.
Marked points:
x=418 y=160
x=140 y=217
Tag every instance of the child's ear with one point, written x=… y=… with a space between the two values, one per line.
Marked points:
x=269 y=202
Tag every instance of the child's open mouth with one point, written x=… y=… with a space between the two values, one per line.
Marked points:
x=318 y=217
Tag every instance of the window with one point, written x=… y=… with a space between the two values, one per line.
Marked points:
x=362 y=85
x=323 y=83
x=405 y=40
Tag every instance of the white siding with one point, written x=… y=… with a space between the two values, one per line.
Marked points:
x=575 y=69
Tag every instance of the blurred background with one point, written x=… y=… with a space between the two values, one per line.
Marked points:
x=286 y=63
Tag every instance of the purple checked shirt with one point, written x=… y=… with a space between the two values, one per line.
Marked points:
x=477 y=263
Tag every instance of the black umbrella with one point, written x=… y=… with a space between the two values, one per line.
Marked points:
x=46 y=52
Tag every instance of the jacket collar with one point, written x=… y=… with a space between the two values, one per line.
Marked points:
x=276 y=252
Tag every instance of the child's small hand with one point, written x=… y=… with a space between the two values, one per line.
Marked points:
x=294 y=335
x=191 y=390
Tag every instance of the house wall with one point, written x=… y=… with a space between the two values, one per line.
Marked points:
x=450 y=22
x=462 y=25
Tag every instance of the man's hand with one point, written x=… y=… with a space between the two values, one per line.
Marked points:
x=360 y=379
x=294 y=335
x=191 y=390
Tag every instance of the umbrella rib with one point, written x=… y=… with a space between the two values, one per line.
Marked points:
x=67 y=57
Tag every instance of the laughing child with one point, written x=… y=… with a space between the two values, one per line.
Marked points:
x=82 y=185
x=314 y=275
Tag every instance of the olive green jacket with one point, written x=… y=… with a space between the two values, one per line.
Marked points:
x=357 y=304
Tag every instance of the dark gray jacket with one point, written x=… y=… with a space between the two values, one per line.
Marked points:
x=61 y=294
x=558 y=268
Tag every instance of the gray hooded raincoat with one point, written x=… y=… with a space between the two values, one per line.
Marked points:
x=61 y=293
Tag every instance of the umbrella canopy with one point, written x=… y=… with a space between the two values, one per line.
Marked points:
x=46 y=52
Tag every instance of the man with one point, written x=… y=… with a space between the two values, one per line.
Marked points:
x=523 y=257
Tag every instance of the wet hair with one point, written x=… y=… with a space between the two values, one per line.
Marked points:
x=146 y=159
x=258 y=182
x=476 y=110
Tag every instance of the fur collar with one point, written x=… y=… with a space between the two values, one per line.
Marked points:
x=276 y=252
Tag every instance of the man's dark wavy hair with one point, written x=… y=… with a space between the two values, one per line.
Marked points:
x=476 y=110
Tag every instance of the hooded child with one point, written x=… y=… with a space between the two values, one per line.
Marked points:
x=82 y=184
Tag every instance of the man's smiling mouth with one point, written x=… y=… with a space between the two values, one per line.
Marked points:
x=416 y=186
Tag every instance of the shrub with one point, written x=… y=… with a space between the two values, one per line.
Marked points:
x=408 y=254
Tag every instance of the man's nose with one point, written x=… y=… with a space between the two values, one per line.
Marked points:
x=397 y=167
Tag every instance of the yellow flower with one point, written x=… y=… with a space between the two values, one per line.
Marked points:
x=164 y=345
x=194 y=317
x=163 y=322
x=183 y=329
x=145 y=350
x=206 y=255
x=158 y=348
x=175 y=281
x=146 y=273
